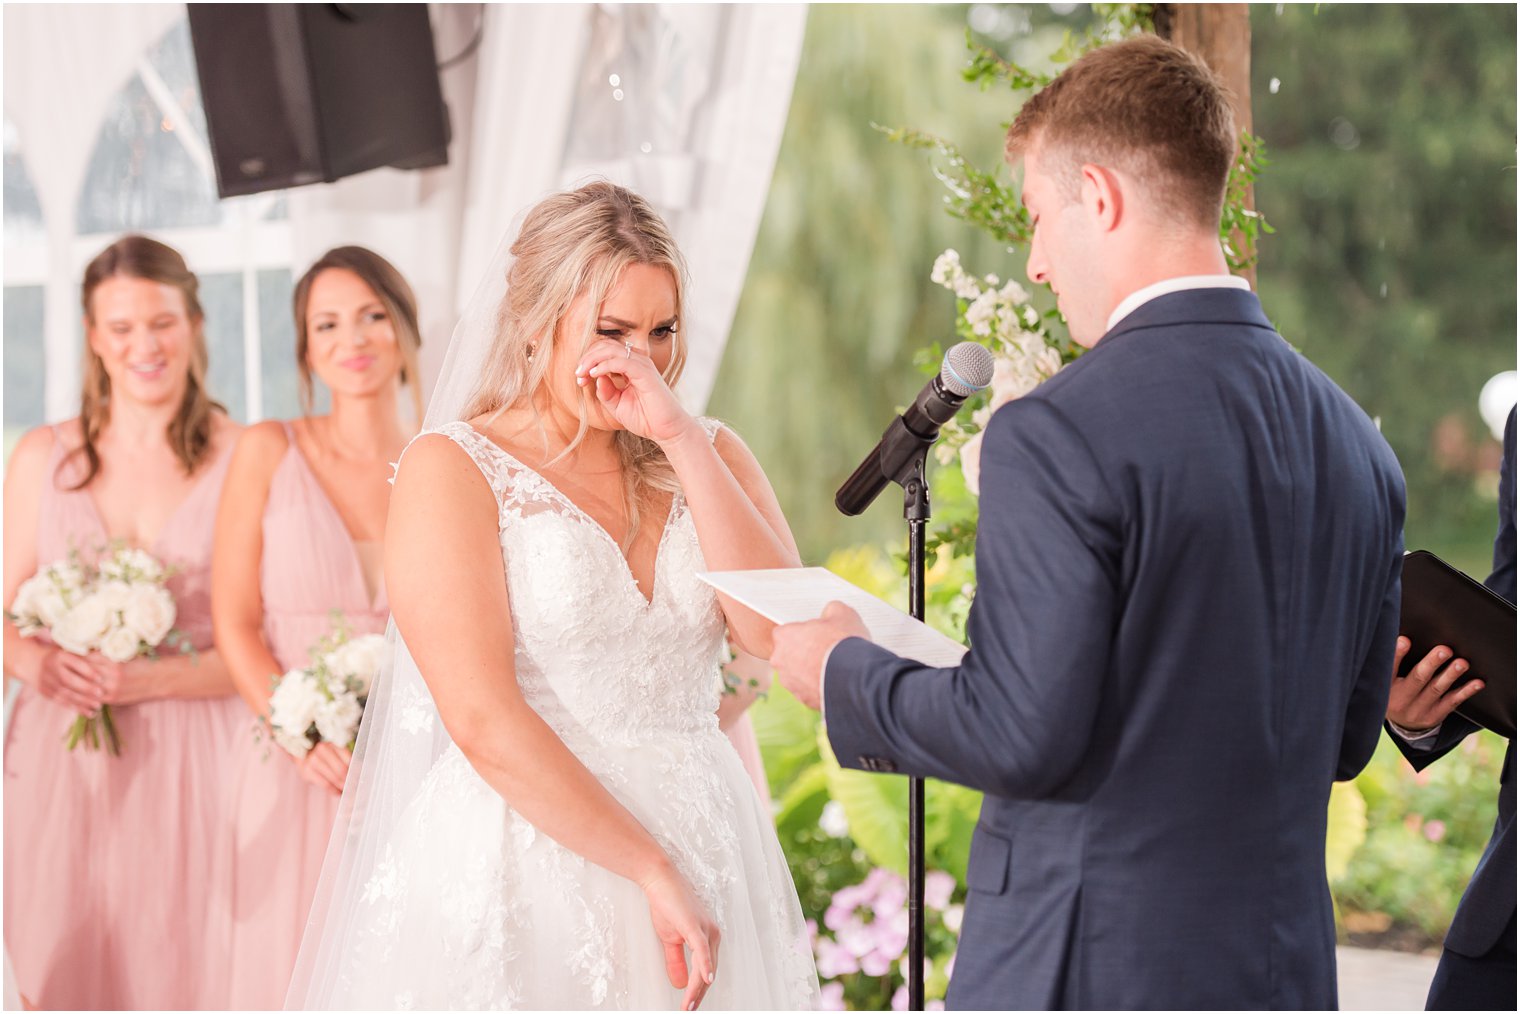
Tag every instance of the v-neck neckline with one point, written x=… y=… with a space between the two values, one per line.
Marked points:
x=659 y=550
x=153 y=547
x=373 y=601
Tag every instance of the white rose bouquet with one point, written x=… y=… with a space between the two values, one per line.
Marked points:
x=324 y=701
x=119 y=606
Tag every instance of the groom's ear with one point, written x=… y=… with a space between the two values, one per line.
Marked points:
x=1102 y=196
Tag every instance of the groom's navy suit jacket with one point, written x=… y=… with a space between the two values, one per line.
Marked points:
x=1188 y=563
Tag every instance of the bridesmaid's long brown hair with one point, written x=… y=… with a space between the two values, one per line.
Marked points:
x=390 y=287
x=189 y=432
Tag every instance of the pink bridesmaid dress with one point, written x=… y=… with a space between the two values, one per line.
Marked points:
x=107 y=859
x=742 y=735
x=280 y=823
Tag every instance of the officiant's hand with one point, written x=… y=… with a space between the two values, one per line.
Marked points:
x=681 y=922
x=799 y=649
x=1421 y=701
x=628 y=384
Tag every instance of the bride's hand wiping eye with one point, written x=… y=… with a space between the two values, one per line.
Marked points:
x=628 y=384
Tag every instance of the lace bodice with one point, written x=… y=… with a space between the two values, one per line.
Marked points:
x=593 y=657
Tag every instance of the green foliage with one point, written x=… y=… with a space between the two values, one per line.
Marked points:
x=1346 y=828
x=838 y=298
x=876 y=807
x=1241 y=226
x=975 y=195
x=1425 y=834
x=1392 y=187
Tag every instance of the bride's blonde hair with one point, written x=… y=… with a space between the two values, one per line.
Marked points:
x=579 y=243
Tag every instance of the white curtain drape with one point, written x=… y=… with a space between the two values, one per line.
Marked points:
x=63 y=65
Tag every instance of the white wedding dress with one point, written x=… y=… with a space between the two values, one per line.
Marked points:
x=461 y=903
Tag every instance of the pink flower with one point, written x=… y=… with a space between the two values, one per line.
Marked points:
x=892 y=897
x=938 y=887
x=834 y=960
x=831 y=996
x=891 y=935
x=876 y=963
x=900 y=998
x=857 y=938
x=1435 y=830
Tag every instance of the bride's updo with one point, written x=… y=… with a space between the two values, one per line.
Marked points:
x=578 y=243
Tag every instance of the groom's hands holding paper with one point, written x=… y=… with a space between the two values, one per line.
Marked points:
x=801 y=649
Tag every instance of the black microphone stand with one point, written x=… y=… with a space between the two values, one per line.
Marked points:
x=916 y=513
x=900 y=457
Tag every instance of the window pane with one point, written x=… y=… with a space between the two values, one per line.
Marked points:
x=277 y=349
x=140 y=175
x=24 y=359
x=23 y=213
x=222 y=298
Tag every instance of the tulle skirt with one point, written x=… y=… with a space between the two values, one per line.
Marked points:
x=468 y=906
x=107 y=859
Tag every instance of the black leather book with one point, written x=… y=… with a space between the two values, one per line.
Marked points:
x=1442 y=605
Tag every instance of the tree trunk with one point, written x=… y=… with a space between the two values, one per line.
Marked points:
x=1221 y=35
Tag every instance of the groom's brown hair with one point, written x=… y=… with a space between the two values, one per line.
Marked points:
x=1144 y=106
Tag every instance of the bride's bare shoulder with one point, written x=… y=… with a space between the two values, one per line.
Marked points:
x=438 y=461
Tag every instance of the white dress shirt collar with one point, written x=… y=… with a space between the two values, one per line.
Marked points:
x=1135 y=300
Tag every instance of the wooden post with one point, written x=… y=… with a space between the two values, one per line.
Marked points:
x=1221 y=35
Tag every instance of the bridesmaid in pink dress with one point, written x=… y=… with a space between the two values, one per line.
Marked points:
x=107 y=858
x=299 y=536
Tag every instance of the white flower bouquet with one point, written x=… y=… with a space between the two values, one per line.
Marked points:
x=119 y=606
x=324 y=701
x=1000 y=316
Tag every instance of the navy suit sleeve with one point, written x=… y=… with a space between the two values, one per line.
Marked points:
x=1369 y=695
x=1015 y=718
x=1454 y=729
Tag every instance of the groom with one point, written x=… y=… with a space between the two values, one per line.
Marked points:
x=1188 y=565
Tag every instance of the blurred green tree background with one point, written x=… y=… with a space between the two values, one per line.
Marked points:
x=1391 y=136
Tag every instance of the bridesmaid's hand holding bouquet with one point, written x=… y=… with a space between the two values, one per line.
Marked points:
x=118 y=607
x=324 y=702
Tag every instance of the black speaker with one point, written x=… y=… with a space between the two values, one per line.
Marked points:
x=310 y=93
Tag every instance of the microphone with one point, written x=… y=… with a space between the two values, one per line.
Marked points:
x=966 y=370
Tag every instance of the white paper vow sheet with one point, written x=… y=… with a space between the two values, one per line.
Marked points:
x=795 y=594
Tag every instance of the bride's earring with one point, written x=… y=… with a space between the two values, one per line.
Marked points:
x=532 y=348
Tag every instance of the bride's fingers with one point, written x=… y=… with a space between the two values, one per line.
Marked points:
x=637 y=368
x=703 y=965
x=607 y=351
x=675 y=962
x=607 y=389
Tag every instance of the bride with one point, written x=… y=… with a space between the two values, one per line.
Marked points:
x=544 y=813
